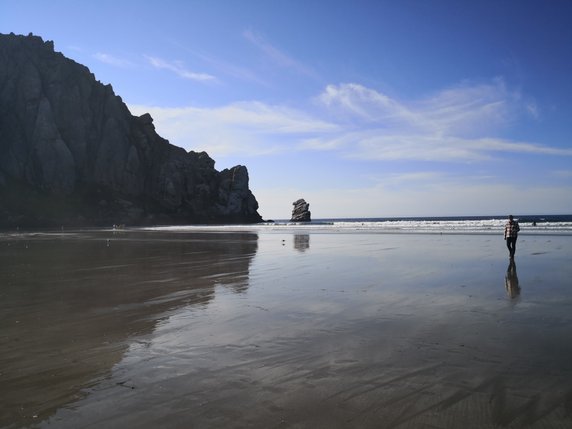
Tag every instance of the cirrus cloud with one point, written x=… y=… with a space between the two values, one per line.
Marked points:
x=112 y=60
x=277 y=56
x=457 y=124
x=460 y=123
x=248 y=128
x=178 y=68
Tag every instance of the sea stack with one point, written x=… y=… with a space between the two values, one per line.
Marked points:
x=301 y=211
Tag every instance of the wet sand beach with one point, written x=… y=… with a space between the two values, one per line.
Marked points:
x=269 y=328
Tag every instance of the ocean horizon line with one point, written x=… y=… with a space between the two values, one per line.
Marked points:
x=520 y=218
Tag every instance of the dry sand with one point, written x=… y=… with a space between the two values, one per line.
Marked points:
x=270 y=329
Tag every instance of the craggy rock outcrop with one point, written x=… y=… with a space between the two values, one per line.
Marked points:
x=71 y=153
x=301 y=211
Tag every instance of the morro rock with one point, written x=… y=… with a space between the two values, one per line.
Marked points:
x=301 y=211
x=71 y=153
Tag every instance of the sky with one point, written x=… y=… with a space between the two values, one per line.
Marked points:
x=363 y=108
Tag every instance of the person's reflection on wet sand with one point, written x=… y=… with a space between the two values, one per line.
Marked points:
x=511 y=281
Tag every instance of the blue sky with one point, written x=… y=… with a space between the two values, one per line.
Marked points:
x=363 y=108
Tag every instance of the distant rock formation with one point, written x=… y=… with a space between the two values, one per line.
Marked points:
x=301 y=211
x=71 y=153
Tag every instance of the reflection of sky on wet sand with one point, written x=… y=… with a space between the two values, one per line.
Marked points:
x=357 y=330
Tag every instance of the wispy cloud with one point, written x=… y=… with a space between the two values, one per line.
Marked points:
x=458 y=110
x=278 y=56
x=233 y=70
x=178 y=68
x=460 y=124
x=381 y=145
x=355 y=102
x=112 y=60
x=455 y=124
x=247 y=128
x=533 y=110
x=223 y=67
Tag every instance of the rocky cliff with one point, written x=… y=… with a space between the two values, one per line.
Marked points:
x=71 y=153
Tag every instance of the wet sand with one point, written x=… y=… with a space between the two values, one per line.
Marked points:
x=271 y=329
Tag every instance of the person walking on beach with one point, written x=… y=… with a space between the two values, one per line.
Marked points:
x=511 y=229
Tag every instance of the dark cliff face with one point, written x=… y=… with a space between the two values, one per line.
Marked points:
x=72 y=153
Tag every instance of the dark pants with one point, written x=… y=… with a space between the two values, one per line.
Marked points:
x=511 y=244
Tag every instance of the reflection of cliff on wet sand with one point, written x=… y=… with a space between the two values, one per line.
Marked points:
x=511 y=281
x=70 y=303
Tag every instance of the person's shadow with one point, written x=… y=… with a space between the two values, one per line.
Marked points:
x=511 y=281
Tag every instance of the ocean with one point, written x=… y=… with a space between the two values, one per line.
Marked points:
x=530 y=224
